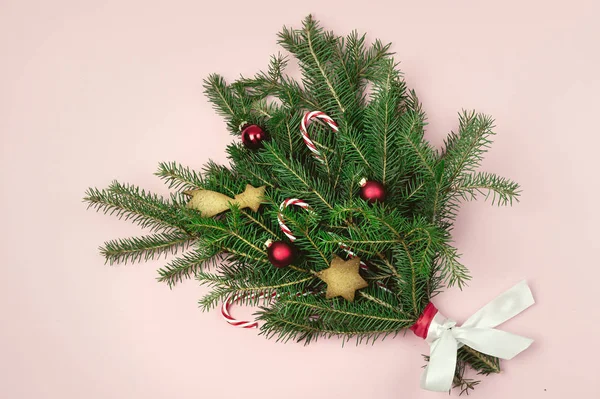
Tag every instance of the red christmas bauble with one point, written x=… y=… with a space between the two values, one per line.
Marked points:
x=372 y=191
x=281 y=254
x=253 y=137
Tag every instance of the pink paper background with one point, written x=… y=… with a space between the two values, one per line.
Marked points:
x=96 y=90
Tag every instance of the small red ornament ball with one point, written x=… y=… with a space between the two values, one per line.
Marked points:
x=281 y=254
x=253 y=137
x=372 y=191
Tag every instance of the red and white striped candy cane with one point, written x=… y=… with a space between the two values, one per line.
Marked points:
x=351 y=254
x=290 y=201
x=226 y=307
x=308 y=117
x=363 y=265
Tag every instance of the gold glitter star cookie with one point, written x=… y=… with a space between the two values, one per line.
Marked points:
x=342 y=278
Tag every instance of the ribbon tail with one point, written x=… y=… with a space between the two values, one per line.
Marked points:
x=439 y=373
x=492 y=342
x=504 y=307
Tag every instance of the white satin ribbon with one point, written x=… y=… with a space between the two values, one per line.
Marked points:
x=478 y=332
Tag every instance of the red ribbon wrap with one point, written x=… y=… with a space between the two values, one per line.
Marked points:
x=421 y=326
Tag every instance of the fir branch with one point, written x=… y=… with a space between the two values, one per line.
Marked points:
x=264 y=108
x=136 y=249
x=501 y=190
x=294 y=171
x=216 y=296
x=305 y=318
x=414 y=189
x=380 y=302
x=315 y=50
x=482 y=363
x=210 y=224
x=285 y=89
x=377 y=52
x=240 y=255
x=288 y=131
x=314 y=247
x=259 y=223
x=362 y=63
x=464 y=150
x=130 y=203
x=310 y=31
x=222 y=97
x=341 y=312
x=464 y=384
x=250 y=166
x=186 y=266
x=286 y=330
x=453 y=272
x=381 y=120
x=223 y=287
x=179 y=177
x=221 y=179
x=353 y=139
x=418 y=154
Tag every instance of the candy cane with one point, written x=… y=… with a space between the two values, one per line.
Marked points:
x=226 y=307
x=304 y=132
x=363 y=265
x=351 y=254
x=290 y=201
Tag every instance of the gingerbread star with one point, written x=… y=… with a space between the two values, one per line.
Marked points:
x=342 y=278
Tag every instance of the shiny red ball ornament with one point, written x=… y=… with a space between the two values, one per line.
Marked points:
x=281 y=254
x=253 y=137
x=372 y=191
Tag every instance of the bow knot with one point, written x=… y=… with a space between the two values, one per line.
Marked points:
x=478 y=332
x=437 y=329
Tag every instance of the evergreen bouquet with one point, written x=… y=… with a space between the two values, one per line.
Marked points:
x=335 y=214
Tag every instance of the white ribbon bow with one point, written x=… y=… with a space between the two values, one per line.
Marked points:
x=478 y=332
